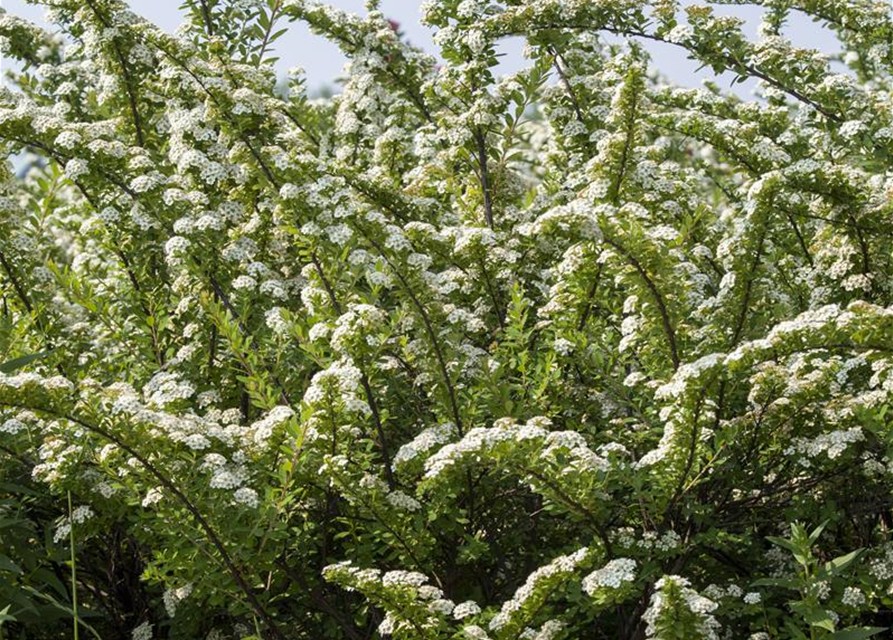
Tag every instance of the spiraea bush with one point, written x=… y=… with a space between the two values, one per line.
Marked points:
x=569 y=354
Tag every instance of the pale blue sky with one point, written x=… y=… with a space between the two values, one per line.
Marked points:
x=323 y=62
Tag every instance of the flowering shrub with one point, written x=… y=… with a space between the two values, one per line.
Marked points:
x=573 y=353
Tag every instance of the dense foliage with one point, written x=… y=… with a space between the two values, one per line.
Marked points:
x=573 y=353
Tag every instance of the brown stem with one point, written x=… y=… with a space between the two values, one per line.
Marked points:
x=497 y=305
x=567 y=85
x=432 y=335
x=748 y=289
x=800 y=238
x=128 y=78
x=318 y=596
x=10 y=273
x=153 y=332
x=587 y=310
x=484 y=175
x=568 y=500
x=658 y=298
x=364 y=380
x=206 y=16
x=268 y=32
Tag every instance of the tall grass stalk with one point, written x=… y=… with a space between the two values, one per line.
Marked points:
x=74 y=577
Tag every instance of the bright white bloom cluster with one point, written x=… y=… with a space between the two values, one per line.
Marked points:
x=532 y=436
x=612 y=576
x=337 y=384
x=261 y=430
x=831 y=444
x=424 y=442
x=246 y=496
x=466 y=609
x=79 y=515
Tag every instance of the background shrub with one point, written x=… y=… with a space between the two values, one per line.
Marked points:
x=573 y=353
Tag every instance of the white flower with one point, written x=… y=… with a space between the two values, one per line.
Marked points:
x=474 y=632
x=563 y=347
x=263 y=428
x=75 y=168
x=226 y=479
x=244 y=282
x=402 y=501
x=466 y=609
x=560 y=566
x=680 y=33
x=153 y=496
x=142 y=632
x=403 y=579
x=611 y=576
x=246 y=496
x=275 y=321
x=63 y=531
x=67 y=139
x=701 y=607
x=173 y=597
x=81 y=514
x=176 y=247
x=13 y=426
x=441 y=606
x=196 y=442
x=853 y=597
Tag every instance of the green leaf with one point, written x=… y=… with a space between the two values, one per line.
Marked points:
x=10 y=487
x=6 y=564
x=17 y=363
x=817 y=532
x=841 y=563
x=794 y=631
x=857 y=633
x=5 y=615
x=64 y=607
x=787 y=583
x=784 y=543
x=815 y=616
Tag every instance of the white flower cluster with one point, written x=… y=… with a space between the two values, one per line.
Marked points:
x=466 y=610
x=142 y=632
x=337 y=384
x=612 y=576
x=172 y=598
x=853 y=597
x=360 y=321
x=261 y=430
x=832 y=444
x=427 y=440
x=560 y=568
x=532 y=436
x=397 y=586
x=79 y=515
x=402 y=501
x=679 y=589
x=246 y=496
x=12 y=426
